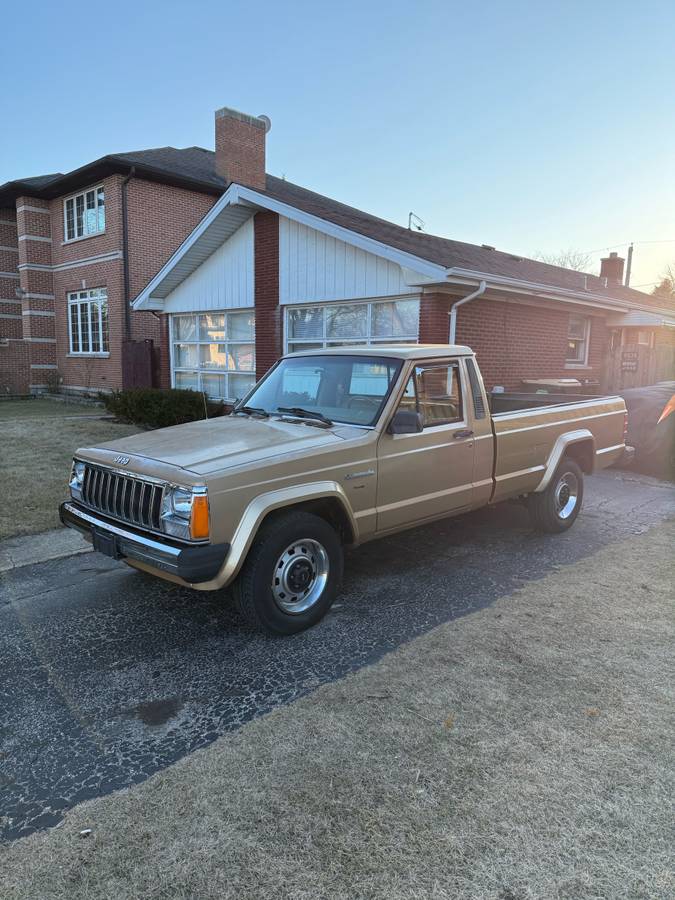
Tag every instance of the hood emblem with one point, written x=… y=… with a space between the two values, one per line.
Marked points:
x=121 y=460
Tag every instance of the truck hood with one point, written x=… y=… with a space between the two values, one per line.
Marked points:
x=214 y=444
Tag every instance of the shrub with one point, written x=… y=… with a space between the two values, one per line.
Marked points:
x=158 y=408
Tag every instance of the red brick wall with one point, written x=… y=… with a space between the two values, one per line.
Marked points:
x=268 y=337
x=512 y=341
x=14 y=367
x=10 y=306
x=435 y=318
x=160 y=218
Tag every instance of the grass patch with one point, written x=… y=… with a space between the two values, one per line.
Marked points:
x=36 y=456
x=41 y=409
x=521 y=752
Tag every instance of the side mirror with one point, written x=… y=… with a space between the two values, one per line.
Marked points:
x=405 y=421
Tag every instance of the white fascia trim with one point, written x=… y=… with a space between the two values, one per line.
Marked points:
x=38 y=312
x=237 y=194
x=35 y=237
x=9 y=275
x=36 y=209
x=9 y=249
x=8 y=222
x=10 y=316
x=43 y=366
x=586 y=298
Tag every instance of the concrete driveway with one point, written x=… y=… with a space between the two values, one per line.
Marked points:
x=107 y=676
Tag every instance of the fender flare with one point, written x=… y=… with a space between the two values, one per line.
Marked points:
x=259 y=508
x=562 y=442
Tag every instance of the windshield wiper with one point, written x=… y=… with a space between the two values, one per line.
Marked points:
x=252 y=411
x=305 y=413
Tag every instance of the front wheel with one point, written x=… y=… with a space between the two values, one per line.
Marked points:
x=291 y=575
x=555 y=509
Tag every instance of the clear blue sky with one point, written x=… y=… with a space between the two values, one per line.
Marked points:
x=527 y=125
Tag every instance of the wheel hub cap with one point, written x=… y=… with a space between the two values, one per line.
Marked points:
x=566 y=495
x=300 y=576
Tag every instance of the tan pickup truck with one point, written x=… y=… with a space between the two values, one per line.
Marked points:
x=332 y=448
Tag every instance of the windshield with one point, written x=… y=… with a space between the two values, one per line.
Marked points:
x=348 y=389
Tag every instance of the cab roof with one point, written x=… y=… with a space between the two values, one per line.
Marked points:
x=397 y=351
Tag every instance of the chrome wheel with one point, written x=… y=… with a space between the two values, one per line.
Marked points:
x=566 y=495
x=300 y=576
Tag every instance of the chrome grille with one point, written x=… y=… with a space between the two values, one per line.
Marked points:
x=123 y=497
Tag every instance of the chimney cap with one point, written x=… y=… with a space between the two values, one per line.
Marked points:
x=226 y=112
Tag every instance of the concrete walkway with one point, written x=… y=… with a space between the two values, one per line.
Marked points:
x=27 y=549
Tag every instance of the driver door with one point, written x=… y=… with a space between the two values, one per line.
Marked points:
x=427 y=474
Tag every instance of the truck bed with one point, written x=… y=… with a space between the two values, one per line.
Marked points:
x=526 y=428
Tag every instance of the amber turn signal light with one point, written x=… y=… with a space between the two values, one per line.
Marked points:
x=199 y=518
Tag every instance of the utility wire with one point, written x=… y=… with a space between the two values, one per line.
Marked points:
x=626 y=243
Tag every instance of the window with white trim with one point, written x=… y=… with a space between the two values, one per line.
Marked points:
x=84 y=214
x=347 y=324
x=214 y=352
x=578 y=331
x=88 y=321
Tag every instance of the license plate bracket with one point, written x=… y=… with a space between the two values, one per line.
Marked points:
x=105 y=543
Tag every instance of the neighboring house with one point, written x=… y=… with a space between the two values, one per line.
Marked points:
x=262 y=266
x=73 y=248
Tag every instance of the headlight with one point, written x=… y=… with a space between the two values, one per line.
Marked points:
x=185 y=513
x=76 y=479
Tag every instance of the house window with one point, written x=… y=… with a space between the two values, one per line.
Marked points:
x=84 y=214
x=347 y=324
x=88 y=321
x=578 y=331
x=215 y=353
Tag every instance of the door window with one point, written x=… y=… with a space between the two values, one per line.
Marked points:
x=435 y=391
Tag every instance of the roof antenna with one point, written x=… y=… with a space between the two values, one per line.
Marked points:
x=415 y=222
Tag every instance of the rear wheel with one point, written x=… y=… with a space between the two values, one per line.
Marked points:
x=555 y=509
x=291 y=575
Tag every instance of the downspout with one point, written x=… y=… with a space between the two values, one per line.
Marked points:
x=125 y=253
x=453 y=312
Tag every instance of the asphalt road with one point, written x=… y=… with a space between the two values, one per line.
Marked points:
x=107 y=676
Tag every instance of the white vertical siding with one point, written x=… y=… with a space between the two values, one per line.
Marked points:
x=314 y=267
x=223 y=281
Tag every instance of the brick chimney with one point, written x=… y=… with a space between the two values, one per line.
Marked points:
x=240 y=147
x=611 y=268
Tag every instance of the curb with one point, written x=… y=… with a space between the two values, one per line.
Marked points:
x=29 y=549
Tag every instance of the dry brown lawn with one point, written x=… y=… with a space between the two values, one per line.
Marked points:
x=524 y=751
x=37 y=442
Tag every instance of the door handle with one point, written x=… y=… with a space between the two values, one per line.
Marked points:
x=464 y=433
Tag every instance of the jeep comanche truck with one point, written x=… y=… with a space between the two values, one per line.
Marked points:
x=333 y=447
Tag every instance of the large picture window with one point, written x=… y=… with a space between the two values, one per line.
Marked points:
x=214 y=353
x=578 y=331
x=88 y=321
x=84 y=214
x=346 y=324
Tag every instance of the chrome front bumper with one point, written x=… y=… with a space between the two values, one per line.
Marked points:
x=193 y=564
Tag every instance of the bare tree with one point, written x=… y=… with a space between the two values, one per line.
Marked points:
x=666 y=286
x=567 y=259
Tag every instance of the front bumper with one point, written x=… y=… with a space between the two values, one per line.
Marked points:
x=191 y=564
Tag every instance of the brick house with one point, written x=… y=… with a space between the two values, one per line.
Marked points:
x=73 y=249
x=231 y=267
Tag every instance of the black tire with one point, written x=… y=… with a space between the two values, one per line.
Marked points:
x=306 y=552
x=556 y=509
